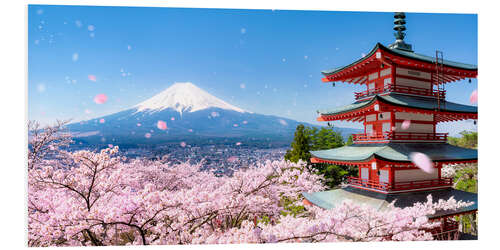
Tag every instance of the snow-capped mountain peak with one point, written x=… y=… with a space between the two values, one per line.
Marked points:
x=184 y=97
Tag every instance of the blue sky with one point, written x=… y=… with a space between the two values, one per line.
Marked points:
x=263 y=61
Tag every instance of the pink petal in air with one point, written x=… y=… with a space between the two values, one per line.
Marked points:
x=92 y=78
x=473 y=97
x=406 y=124
x=161 y=125
x=147 y=135
x=100 y=98
x=102 y=120
x=422 y=161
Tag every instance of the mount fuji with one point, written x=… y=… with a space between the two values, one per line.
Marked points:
x=186 y=113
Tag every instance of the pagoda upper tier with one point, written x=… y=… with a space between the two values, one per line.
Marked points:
x=381 y=57
x=396 y=104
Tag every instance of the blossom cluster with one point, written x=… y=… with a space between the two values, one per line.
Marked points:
x=87 y=198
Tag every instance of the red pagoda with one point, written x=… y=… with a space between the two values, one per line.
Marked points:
x=402 y=87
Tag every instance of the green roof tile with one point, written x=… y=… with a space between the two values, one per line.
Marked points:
x=406 y=101
x=396 y=152
x=407 y=54
x=332 y=198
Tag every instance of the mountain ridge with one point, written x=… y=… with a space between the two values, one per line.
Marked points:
x=186 y=113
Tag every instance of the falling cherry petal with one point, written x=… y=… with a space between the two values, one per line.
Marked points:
x=92 y=78
x=406 y=124
x=100 y=98
x=172 y=118
x=183 y=144
x=147 y=135
x=138 y=124
x=161 y=125
x=283 y=122
x=473 y=97
x=102 y=120
x=422 y=161
x=110 y=145
x=238 y=143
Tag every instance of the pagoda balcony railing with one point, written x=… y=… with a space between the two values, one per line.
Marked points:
x=400 y=136
x=399 y=186
x=401 y=89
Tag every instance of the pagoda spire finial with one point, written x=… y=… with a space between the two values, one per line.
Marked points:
x=399 y=27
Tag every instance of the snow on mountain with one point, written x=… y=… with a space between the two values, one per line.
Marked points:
x=184 y=97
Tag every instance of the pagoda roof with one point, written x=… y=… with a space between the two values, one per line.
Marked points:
x=381 y=56
x=402 y=100
x=406 y=54
x=395 y=152
x=332 y=198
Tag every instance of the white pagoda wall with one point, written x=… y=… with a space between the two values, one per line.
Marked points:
x=415 y=126
x=424 y=83
x=413 y=175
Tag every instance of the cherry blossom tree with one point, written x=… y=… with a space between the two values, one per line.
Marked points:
x=99 y=198
x=46 y=141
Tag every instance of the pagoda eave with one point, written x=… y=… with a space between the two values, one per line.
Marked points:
x=385 y=162
x=381 y=56
x=446 y=112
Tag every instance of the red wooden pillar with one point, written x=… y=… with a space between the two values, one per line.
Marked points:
x=391 y=176
x=393 y=75
x=440 y=165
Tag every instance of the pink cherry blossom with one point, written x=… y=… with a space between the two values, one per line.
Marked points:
x=172 y=118
x=86 y=198
x=147 y=135
x=405 y=125
x=161 y=125
x=139 y=124
x=110 y=145
x=473 y=97
x=92 y=78
x=232 y=159
x=100 y=98
x=102 y=120
x=238 y=143
x=183 y=144
x=422 y=161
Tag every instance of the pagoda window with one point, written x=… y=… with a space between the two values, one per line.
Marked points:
x=373 y=76
x=385 y=72
x=386 y=127
x=371 y=118
x=364 y=173
x=369 y=129
x=383 y=176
